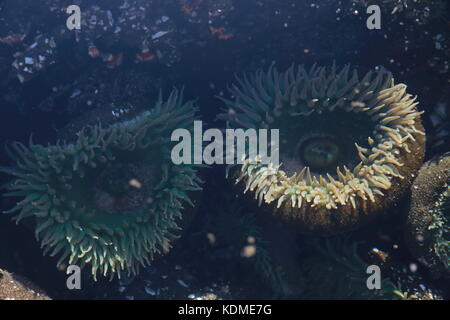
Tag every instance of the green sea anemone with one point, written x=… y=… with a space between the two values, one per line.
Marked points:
x=348 y=145
x=336 y=270
x=111 y=198
x=428 y=221
x=233 y=225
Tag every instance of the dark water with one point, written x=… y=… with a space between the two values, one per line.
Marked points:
x=207 y=44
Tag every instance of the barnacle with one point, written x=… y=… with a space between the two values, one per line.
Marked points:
x=348 y=145
x=428 y=230
x=110 y=198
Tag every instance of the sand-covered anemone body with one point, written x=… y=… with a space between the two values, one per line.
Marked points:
x=428 y=220
x=348 y=144
x=110 y=198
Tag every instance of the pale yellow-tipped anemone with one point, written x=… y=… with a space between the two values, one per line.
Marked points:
x=348 y=146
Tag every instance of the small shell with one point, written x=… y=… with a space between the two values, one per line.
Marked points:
x=182 y=283
x=150 y=291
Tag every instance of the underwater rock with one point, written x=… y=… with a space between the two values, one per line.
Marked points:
x=440 y=121
x=427 y=225
x=13 y=287
x=349 y=146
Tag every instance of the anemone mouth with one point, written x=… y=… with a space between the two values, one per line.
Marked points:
x=125 y=189
x=343 y=139
x=323 y=142
x=109 y=198
x=319 y=153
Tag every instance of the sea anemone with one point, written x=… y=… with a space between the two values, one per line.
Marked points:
x=428 y=221
x=348 y=146
x=336 y=270
x=111 y=198
x=242 y=231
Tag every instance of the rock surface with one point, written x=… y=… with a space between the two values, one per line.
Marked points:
x=13 y=287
